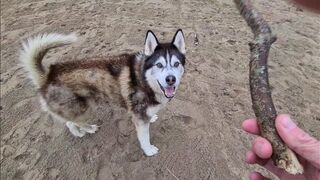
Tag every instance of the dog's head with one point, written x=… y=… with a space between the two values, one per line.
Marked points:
x=164 y=65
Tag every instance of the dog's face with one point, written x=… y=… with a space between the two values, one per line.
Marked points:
x=164 y=64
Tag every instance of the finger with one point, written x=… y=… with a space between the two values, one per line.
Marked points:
x=310 y=4
x=272 y=168
x=251 y=126
x=257 y=176
x=298 y=140
x=262 y=148
x=252 y=158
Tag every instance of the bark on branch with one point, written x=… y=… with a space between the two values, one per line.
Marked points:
x=262 y=103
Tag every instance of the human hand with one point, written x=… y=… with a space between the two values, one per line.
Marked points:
x=305 y=146
x=310 y=4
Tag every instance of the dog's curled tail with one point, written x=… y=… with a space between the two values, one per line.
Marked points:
x=35 y=48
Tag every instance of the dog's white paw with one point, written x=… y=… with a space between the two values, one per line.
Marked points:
x=154 y=118
x=151 y=150
x=75 y=130
x=90 y=129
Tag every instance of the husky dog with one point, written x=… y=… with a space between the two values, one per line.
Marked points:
x=145 y=82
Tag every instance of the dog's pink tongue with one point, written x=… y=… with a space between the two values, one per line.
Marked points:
x=169 y=91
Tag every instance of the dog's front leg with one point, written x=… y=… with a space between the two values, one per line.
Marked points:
x=144 y=137
x=153 y=118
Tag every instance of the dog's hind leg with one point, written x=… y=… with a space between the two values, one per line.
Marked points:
x=70 y=108
x=87 y=128
x=74 y=129
x=80 y=129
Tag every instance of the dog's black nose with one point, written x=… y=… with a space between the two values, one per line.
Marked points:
x=170 y=80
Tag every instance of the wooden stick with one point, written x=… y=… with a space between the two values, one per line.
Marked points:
x=262 y=103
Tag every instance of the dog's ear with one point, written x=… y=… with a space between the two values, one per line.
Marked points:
x=150 y=44
x=178 y=41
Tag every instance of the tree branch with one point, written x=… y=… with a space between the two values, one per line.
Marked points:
x=262 y=103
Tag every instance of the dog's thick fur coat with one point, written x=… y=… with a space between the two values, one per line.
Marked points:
x=68 y=89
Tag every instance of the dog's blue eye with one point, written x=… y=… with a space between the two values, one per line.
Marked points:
x=159 y=65
x=176 y=64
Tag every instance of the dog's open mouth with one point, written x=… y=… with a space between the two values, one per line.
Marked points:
x=168 y=91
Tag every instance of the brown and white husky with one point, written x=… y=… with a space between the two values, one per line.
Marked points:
x=145 y=82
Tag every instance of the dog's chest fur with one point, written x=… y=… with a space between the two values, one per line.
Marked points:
x=154 y=109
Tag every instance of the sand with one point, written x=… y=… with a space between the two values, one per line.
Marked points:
x=199 y=133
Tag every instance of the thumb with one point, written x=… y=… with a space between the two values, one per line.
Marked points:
x=299 y=141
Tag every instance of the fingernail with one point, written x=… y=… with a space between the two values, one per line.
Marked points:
x=287 y=123
x=259 y=145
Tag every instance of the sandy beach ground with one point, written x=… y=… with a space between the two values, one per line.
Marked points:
x=199 y=133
